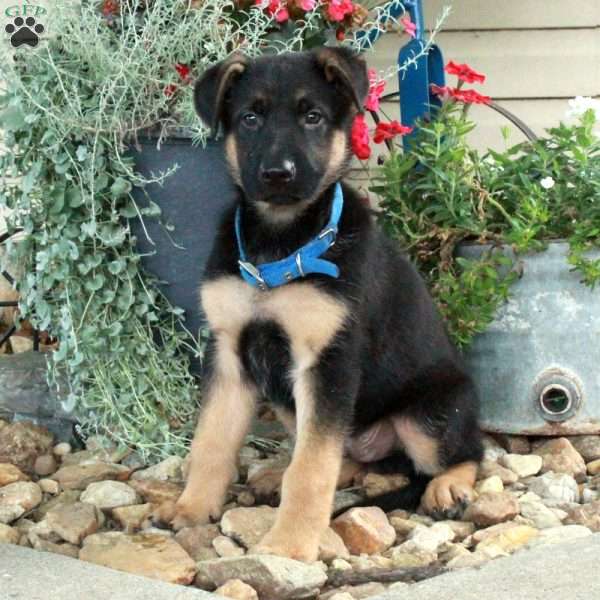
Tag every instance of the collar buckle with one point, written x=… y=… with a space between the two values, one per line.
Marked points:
x=254 y=272
x=329 y=231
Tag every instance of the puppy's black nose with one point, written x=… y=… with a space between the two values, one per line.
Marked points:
x=278 y=175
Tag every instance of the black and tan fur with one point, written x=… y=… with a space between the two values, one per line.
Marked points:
x=333 y=355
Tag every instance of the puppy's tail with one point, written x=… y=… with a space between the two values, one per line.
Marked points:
x=407 y=498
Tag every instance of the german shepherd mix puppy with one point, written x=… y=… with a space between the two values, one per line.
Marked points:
x=355 y=360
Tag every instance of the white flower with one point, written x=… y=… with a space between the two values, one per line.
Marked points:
x=570 y=185
x=547 y=182
x=579 y=105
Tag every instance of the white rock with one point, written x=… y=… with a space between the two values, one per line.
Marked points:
x=490 y=484
x=428 y=539
x=540 y=515
x=558 y=487
x=524 y=465
x=339 y=564
x=62 y=449
x=110 y=494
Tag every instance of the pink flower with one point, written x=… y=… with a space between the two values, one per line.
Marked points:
x=359 y=138
x=307 y=5
x=338 y=9
x=443 y=91
x=409 y=27
x=376 y=88
x=387 y=131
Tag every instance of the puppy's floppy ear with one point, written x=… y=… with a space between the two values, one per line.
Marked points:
x=345 y=68
x=211 y=89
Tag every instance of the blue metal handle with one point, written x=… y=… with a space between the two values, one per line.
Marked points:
x=416 y=99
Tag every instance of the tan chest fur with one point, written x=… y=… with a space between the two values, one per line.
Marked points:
x=309 y=317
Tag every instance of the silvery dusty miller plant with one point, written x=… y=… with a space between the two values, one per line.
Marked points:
x=68 y=112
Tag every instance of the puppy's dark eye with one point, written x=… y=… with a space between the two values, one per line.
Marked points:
x=250 y=119
x=313 y=117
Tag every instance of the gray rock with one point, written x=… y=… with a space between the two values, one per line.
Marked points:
x=273 y=577
x=18 y=498
x=558 y=487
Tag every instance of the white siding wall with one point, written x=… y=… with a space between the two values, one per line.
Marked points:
x=536 y=54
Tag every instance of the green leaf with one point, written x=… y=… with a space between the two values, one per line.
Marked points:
x=74 y=197
x=12 y=118
x=120 y=187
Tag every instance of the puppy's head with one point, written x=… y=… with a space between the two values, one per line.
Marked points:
x=286 y=121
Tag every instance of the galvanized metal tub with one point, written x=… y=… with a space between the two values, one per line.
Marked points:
x=537 y=366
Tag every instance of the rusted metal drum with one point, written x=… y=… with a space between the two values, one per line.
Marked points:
x=537 y=366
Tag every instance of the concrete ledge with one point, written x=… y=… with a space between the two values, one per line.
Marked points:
x=567 y=571
x=27 y=574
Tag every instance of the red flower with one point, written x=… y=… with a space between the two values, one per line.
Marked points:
x=464 y=73
x=359 y=138
x=275 y=8
x=376 y=88
x=340 y=34
x=466 y=96
x=409 y=27
x=170 y=90
x=387 y=131
x=184 y=72
x=110 y=7
x=470 y=97
x=338 y=9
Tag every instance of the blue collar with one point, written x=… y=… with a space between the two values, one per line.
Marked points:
x=304 y=261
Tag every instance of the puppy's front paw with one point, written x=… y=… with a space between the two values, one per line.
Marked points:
x=186 y=512
x=447 y=497
x=289 y=546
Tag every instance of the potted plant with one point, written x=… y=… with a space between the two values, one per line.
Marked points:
x=83 y=117
x=509 y=244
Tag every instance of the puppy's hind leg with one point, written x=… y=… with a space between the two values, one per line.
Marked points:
x=442 y=438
